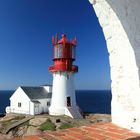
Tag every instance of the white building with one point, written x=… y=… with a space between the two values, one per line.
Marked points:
x=30 y=100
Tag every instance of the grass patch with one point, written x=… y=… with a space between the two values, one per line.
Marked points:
x=48 y=125
x=66 y=125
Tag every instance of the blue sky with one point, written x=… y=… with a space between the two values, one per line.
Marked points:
x=26 y=28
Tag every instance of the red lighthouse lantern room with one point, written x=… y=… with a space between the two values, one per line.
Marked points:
x=63 y=55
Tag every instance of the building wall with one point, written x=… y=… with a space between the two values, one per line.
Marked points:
x=120 y=21
x=31 y=108
x=43 y=107
x=63 y=86
x=71 y=89
x=20 y=97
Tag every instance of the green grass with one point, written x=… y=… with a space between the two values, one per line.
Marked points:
x=66 y=125
x=48 y=125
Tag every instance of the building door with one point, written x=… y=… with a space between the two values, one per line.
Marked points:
x=68 y=101
x=36 y=108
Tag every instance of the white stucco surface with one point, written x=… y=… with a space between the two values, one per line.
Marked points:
x=63 y=87
x=120 y=21
x=20 y=97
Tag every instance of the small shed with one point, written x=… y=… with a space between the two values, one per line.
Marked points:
x=30 y=100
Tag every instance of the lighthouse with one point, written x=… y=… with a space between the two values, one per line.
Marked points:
x=63 y=100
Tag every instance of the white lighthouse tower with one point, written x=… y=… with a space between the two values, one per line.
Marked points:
x=63 y=93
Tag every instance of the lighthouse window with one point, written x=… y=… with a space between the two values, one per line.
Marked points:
x=68 y=101
x=73 y=51
x=58 y=51
x=67 y=76
x=55 y=52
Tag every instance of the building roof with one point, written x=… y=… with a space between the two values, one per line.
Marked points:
x=36 y=92
x=47 y=85
x=36 y=102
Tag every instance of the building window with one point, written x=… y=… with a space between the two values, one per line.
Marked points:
x=19 y=104
x=48 y=103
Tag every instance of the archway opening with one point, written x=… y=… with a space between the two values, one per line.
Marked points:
x=94 y=68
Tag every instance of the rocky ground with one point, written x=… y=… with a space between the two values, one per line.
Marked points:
x=37 y=124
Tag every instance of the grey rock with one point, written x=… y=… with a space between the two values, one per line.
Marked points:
x=21 y=130
x=37 y=121
x=32 y=131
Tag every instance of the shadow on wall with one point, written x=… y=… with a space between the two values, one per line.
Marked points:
x=130 y=20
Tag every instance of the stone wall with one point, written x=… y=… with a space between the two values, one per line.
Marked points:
x=120 y=22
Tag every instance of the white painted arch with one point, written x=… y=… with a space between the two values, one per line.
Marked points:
x=120 y=22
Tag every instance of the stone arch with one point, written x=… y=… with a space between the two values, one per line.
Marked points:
x=120 y=22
